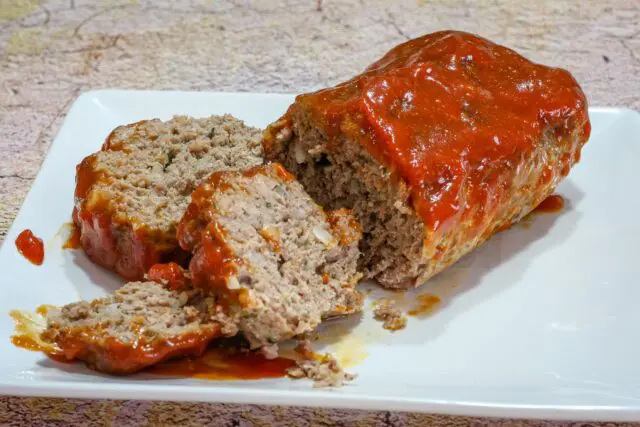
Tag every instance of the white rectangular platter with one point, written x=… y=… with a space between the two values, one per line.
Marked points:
x=542 y=321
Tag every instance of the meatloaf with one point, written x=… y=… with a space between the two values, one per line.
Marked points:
x=444 y=141
x=142 y=324
x=274 y=258
x=131 y=194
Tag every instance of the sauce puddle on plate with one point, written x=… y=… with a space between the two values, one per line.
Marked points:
x=28 y=327
x=427 y=304
x=224 y=364
x=30 y=247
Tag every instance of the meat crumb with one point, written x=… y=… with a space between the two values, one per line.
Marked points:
x=269 y=351
x=323 y=369
x=393 y=319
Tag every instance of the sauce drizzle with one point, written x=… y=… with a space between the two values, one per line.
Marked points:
x=30 y=247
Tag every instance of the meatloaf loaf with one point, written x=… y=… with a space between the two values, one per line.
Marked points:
x=131 y=194
x=142 y=324
x=273 y=257
x=444 y=141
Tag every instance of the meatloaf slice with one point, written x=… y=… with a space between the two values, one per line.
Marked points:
x=441 y=143
x=142 y=324
x=131 y=194
x=273 y=256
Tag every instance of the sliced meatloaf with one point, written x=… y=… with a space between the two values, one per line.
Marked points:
x=273 y=257
x=142 y=324
x=131 y=194
x=438 y=145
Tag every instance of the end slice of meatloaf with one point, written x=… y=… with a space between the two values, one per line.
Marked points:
x=438 y=145
x=277 y=261
x=131 y=194
x=142 y=324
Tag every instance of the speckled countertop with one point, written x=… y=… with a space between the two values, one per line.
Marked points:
x=51 y=51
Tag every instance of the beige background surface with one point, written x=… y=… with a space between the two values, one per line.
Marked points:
x=50 y=51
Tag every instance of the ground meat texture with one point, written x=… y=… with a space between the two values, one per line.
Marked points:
x=391 y=317
x=142 y=324
x=131 y=194
x=277 y=260
x=446 y=140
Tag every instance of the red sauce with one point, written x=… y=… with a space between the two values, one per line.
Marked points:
x=213 y=261
x=127 y=358
x=25 y=338
x=27 y=343
x=551 y=204
x=73 y=242
x=282 y=173
x=270 y=239
x=170 y=275
x=31 y=247
x=444 y=109
x=128 y=252
x=213 y=364
x=273 y=169
x=220 y=364
x=86 y=176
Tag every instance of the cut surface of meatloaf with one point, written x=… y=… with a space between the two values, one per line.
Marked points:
x=131 y=194
x=140 y=325
x=438 y=145
x=273 y=257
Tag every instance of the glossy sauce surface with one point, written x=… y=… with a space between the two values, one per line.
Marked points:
x=30 y=247
x=213 y=261
x=452 y=115
x=128 y=251
x=127 y=357
x=552 y=204
x=221 y=364
x=170 y=275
